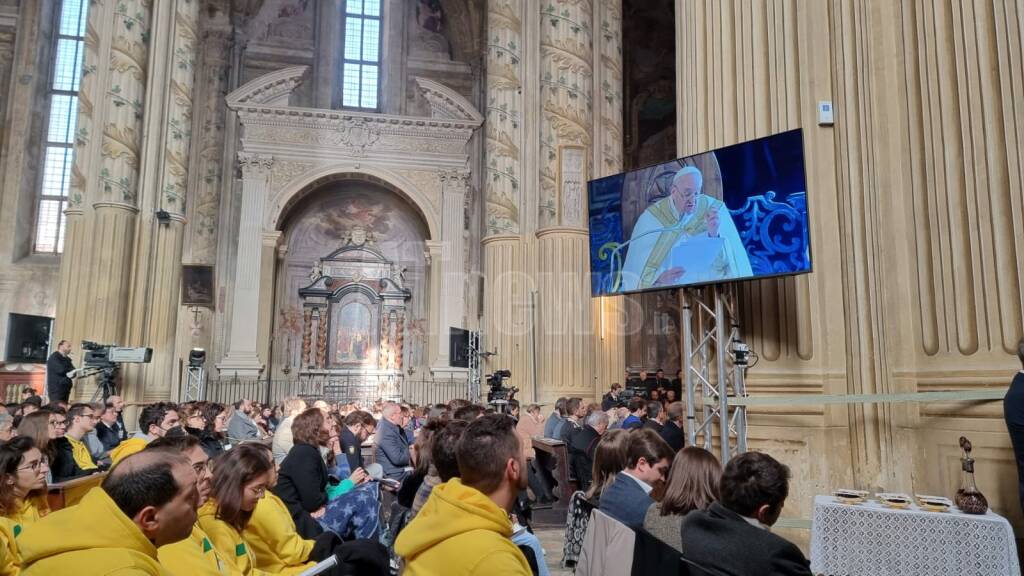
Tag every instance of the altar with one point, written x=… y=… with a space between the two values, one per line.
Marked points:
x=354 y=313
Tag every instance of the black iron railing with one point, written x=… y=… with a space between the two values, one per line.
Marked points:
x=356 y=388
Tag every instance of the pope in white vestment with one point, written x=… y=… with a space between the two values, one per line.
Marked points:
x=686 y=238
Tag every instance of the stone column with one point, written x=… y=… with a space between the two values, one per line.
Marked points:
x=507 y=320
x=609 y=312
x=566 y=93
x=268 y=274
x=241 y=358
x=206 y=172
x=105 y=177
x=453 y=298
x=164 y=176
x=435 y=261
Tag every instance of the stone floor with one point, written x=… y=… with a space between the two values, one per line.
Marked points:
x=551 y=538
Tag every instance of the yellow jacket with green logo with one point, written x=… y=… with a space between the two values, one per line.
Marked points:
x=93 y=538
x=275 y=543
x=228 y=542
x=10 y=560
x=195 y=556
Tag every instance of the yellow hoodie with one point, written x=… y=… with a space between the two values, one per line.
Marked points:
x=29 y=512
x=10 y=561
x=195 y=556
x=130 y=446
x=93 y=538
x=228 y=542
x=275 y=543
x=460 y=531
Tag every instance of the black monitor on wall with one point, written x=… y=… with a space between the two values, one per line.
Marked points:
x=28 y=338
x=458 y=348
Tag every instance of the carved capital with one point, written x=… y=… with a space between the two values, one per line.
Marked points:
x=255 y=165
x=455 y=180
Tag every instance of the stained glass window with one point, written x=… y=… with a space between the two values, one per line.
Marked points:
x=59 y=149
x=360 y=74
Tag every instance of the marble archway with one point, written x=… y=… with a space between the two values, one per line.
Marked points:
x=353 y=261
x=285 y=149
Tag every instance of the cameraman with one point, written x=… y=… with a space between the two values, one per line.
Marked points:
x=611 y=399
x=59 y=372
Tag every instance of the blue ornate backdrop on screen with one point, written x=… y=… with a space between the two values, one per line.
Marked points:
x=762 y=184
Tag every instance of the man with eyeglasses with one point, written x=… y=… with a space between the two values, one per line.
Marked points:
x=155 y=421
x=194 y=555
x=72 y=457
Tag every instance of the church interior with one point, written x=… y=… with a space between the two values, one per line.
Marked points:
x=366 y=199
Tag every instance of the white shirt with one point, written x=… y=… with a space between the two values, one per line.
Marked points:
x=756 y=523
x=646 y=487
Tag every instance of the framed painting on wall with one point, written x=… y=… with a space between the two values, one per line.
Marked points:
x=197 y=288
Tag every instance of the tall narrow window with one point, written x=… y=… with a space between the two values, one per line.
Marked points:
x=60 y=130
x=360 y=85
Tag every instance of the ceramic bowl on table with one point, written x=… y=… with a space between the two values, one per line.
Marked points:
x=848 y=496
x=894 y=500
x=934 y=503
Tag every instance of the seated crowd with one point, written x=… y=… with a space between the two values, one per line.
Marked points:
x=204 y=488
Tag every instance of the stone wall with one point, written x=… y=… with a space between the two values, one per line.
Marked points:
x=916 y=200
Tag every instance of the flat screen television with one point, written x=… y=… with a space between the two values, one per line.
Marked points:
x=735 y=213
x=28 y=338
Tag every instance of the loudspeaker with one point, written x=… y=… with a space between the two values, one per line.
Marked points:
x=458 y=348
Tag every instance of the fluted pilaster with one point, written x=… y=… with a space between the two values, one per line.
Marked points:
x=241 y=357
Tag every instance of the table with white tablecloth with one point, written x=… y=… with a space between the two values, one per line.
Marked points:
x=869 y=539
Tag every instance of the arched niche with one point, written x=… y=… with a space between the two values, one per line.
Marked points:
x=349 y=242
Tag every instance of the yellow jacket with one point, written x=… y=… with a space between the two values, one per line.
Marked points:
x=195 y=556
x=10 y=561
x=133 y=445
x=93 y=538
x=459 y=532
x=275 y=543
x=80 y=452
x=228 y=542
x=29 y=511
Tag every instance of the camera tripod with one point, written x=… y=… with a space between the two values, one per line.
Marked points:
x=106 y=387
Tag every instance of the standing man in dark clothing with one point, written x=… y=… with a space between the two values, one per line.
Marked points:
x=59 y=372
x=1013 y=412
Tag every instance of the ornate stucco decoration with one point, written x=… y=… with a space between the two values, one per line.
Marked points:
x=447 y=103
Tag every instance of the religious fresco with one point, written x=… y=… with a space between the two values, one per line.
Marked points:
x=340 y=214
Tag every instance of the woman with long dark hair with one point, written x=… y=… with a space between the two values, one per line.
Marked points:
x=241 y=477
x=692 y=485
x=317 y=502
x=23 y=470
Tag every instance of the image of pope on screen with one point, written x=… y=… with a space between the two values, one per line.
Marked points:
x=687 y=237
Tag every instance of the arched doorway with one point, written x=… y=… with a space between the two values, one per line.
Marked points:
x=352 y=283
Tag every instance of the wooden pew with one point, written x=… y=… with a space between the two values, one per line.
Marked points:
x=558 y=450
x=68 y=493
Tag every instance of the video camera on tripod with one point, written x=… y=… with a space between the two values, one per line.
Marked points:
x=499 y=395
x=103 y=360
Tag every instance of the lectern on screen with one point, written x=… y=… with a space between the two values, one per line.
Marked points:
x=735 y=213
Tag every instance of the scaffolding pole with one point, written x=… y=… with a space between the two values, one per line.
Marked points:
x=714 y=361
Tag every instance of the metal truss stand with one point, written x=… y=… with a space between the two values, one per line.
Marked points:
x=473 y=354
x=195 y=384
x=714 y=367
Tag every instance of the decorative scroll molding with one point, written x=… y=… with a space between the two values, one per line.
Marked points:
x=272 y=89
x=447 y=103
